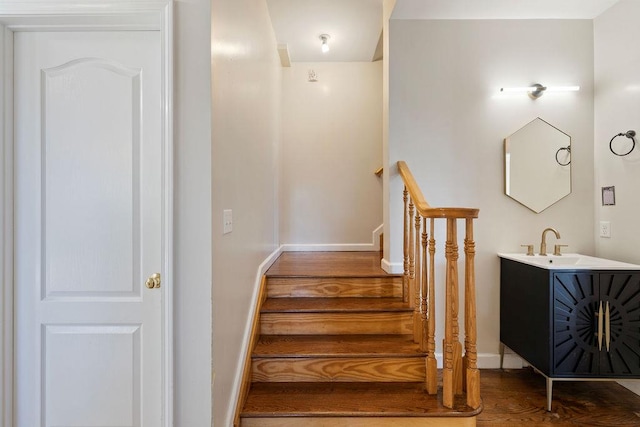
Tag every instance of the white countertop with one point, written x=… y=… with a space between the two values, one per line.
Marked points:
x=569 y=261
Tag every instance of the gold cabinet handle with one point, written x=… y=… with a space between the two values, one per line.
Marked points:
x=607 y=326
x=600 y=327
x=153 y=281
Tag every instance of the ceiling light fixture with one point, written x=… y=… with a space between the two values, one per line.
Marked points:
x=535 y=91
x=325 y=42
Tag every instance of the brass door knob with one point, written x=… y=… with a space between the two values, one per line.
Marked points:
x=153 y=281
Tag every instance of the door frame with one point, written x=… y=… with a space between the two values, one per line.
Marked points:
x=81 y=15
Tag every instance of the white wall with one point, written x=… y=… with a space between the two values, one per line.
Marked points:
x=387 y=10
x=617 y=109
x=192 y=192
x=246 y=93
x=448 y=122
x=332 y=145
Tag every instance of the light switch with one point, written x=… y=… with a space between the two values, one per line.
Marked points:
x=227 y=216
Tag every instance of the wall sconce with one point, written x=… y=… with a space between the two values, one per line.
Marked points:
x=325 y=42
x=536 y=90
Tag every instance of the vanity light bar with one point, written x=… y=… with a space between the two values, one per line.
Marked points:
x=534 y=88
x=563 y=88
x=535 y=91
x=518 y=89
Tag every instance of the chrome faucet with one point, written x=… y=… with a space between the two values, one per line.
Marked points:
x=543 y=243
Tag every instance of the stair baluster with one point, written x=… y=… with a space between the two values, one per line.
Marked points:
x=432 y=365
x=405 y=276
x=412 y=254
x=459 y=374
x=417 y=283
x=472 y=375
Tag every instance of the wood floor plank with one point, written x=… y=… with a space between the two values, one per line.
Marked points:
x=336 y=346
x=517 y=397
x=328 y=264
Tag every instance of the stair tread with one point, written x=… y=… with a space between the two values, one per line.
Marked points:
x=348 y=399
x=334 y=287
x=336 y=346
x=335 y=305
x=328 y=264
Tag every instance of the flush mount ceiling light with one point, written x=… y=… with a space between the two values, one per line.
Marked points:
x=536 y=90
x=325 y=42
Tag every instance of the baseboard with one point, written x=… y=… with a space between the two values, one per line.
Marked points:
x=631 y=385
x=513 y=361
x=337 y=247
x=485 y=360
x=235 y=391
x=392 y=268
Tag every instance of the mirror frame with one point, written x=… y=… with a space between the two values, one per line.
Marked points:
x=533 y=176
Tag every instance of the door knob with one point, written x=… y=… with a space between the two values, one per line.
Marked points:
x=153 y=281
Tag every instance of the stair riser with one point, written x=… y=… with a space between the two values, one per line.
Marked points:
x=336 y=323
x=358 y=422
x=399 y=369
x=334 y=287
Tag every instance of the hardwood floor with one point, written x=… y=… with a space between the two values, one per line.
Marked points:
x=518 y=398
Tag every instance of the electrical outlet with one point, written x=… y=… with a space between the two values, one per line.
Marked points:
x=605 y=229
x=227 y=216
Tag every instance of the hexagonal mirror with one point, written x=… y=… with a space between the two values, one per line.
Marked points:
x=537 y=161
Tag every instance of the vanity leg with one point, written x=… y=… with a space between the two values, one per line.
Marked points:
x=501 y=354
x=549 y=393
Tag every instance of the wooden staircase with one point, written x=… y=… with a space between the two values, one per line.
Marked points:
x=333 y=346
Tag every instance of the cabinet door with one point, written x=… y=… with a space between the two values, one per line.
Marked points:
x=575 y=347
x=622 y=292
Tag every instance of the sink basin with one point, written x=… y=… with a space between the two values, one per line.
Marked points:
x=570 y=261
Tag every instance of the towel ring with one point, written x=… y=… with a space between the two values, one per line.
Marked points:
x=568 y=149
x=629 y=134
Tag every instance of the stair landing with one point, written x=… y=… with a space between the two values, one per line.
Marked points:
x=328 y=264
x=351 y=404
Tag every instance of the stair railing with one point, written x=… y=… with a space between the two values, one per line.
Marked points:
x=459 y=374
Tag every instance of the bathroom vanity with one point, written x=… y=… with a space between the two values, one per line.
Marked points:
x=572 y=317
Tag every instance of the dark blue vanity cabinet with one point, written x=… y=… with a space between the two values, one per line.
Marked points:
x=571 y=323
x=596 y=319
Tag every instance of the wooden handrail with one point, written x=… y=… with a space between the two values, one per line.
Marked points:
x=459 y=374
x=421 y=204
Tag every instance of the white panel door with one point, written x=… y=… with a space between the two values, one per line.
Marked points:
x=88 y=229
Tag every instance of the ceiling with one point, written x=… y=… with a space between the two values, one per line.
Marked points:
x=500 y=9
x=355 y=26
